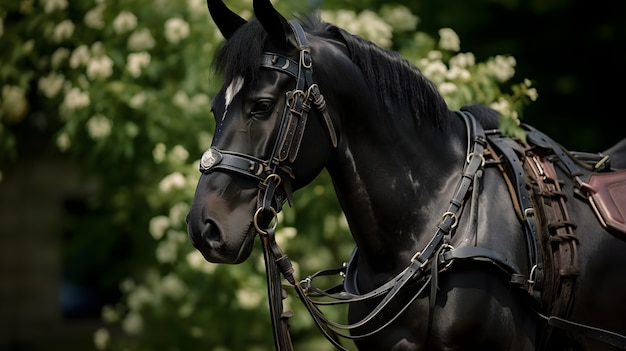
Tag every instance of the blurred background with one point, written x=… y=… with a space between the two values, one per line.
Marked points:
x=105 y=110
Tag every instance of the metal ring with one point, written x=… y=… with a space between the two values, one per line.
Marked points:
x=454 y=218
x=273 y=176
x=472 y=154
x=256 y=224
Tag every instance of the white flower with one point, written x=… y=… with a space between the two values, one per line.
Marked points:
x=139 y=297
x=181 y=99
x=249 y=298
x=133 y=323
x=50 y=6
x=137 y=101
x=63 y=142
x=459 y=74
x=76 y=99
x=503 y=106
x=141 y=39
x=137 y=61
x=167 y=252
x=158 y=225
x=51 y=84
x=463 y=60
x=400 y=18
x=449 y=40
x=178 y=154
x=99 y=127
x=158 y=153
x=101 y=338
x=63 y=31
x=13 y=103
x=58 y=57
x=94 y=17
x=173 y=286
x=173 y=181
x=199 y=102
x=436 y=71
x=502 y=67
x=370 y=26
x=448 y=88
x=110 y=314
x=124 y=22
x=532 y=94
x=80 y=56
x=99 y=68
x=178 y=212
x=176 y=29
x=196 y=261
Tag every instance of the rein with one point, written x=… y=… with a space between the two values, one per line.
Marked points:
x=436 y=253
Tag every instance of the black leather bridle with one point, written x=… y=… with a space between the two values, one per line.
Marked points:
x=276 y=171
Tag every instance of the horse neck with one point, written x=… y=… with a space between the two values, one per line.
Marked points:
x=393 y=186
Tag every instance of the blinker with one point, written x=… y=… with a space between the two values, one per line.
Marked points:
x=209 y=159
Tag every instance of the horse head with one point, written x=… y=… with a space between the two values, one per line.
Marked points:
x=273 y=132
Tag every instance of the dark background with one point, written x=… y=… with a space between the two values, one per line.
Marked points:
x=572 y=51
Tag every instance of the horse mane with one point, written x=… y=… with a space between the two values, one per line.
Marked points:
x=395 y=80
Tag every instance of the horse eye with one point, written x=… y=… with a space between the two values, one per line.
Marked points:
x=262 y=108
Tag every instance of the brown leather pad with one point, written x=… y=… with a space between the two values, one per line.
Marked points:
x=607 y=195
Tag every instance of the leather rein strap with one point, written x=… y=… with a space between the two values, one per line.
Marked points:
x=430 y=258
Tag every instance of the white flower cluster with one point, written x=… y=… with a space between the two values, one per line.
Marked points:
x=50 y=6
x=400 y=18
x=94 y=17
x=136 y=62
x=502 y=67
x=100 y=67
x=124 y=22
x=172 y=182
x=176 y=29
x=140 y=40
x=366 y=24
x=449 y=40
x=99 y=127
x=13 y=103
x=63 y=31
x=75 y=99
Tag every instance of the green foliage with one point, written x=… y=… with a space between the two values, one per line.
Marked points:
x=125 y=87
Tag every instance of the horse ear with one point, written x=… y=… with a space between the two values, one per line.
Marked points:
x=276 y=26
x=226 y=20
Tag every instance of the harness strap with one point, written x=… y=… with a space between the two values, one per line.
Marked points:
x=506 y=147
x=478 y=253
x=540 y=139
x=574 y=328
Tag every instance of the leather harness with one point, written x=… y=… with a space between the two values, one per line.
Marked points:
x=485 y=148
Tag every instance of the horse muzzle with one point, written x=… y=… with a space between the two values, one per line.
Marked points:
x=220 y=222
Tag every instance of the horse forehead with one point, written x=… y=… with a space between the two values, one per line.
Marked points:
x=232 y=90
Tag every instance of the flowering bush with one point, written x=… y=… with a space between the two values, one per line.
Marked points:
x=125 y=86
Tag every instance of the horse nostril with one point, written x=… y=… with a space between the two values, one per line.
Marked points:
x=212 y=235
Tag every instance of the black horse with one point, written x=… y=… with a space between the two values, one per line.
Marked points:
x=466 y=238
